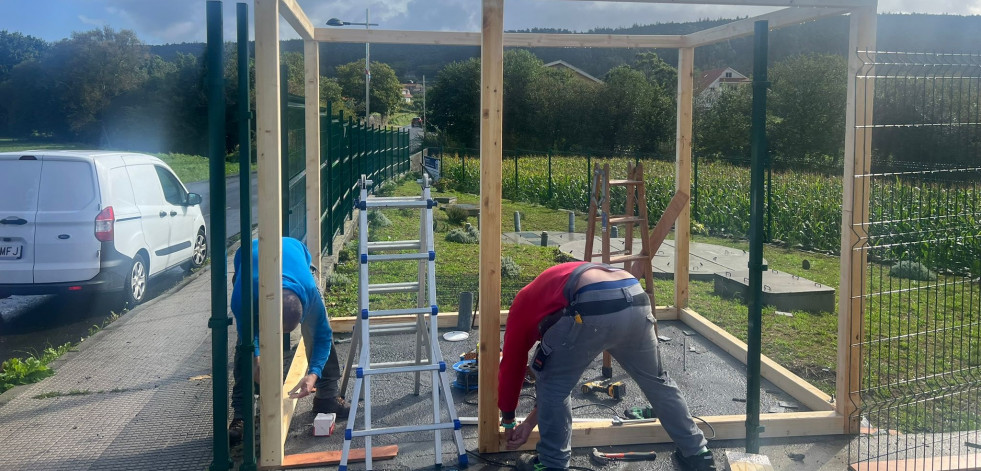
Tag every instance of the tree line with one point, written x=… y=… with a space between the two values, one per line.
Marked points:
x=105 y=88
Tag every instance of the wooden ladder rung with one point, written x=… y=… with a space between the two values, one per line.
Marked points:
x=629 y=258
x=625 y=182
x=626 y=220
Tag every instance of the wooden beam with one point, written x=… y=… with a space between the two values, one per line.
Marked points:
x=682 y=227
x=758 y=3
x=311 y=115
x=797 y=387
x=331 y=458
x=296 y=18
x=777 y=19
x=270 y=266
x=854 y=217
x=461 y=38
x=971 y=462
x=298 y=369
x=727 y=427
x=491 y=151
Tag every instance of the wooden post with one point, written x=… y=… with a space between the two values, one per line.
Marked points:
x=491 y=131
x=854 y=217
x=682 y=227
x=270 y=293
x=311 y=69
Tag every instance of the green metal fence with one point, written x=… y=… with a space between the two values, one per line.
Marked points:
x=350 y=149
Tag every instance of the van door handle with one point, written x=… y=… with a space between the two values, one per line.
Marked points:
x=14 y=220
x=163 y=214
x=173 y=213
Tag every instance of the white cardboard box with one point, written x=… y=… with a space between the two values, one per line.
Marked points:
x=323 y=424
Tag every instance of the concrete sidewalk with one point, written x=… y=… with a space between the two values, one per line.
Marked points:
x=136 y=395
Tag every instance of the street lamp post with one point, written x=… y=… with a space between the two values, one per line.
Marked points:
x=367 y=59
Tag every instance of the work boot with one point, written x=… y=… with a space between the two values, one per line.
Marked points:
x=235 y=432
x=529 y=462
x=703 y=461
x=332 y=405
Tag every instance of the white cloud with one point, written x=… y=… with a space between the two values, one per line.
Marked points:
x=91 y=21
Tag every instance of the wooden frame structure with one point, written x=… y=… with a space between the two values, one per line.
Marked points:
x=827 y=416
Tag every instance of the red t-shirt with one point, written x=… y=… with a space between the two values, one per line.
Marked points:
x=543 y=296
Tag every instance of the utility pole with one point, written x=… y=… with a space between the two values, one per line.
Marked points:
x=424 y=122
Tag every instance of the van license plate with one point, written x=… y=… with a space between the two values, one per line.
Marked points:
x=11 y=252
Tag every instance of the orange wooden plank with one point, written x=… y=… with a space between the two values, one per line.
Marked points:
x=326 y=458
x=970 y=462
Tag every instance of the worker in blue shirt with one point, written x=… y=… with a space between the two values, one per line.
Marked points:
x=303 y=306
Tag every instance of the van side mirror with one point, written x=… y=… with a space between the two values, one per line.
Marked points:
x=193 y=199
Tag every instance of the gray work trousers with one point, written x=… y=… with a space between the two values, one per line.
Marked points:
x=628 y=334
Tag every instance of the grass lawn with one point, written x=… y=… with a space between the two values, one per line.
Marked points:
x=189 y=168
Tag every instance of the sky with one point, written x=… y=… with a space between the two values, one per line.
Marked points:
x=176 y=21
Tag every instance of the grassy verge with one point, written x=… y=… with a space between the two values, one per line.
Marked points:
x=189 y=168
x=33 y=368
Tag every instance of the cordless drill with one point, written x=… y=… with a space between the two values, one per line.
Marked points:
x=616 y=390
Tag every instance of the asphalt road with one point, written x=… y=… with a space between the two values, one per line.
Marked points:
x=29 y=324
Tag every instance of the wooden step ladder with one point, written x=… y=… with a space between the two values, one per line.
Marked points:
x=635 y=214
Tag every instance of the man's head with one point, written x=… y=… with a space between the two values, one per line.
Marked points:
x=292 y=310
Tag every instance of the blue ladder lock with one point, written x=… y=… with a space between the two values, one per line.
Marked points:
x=364 y=314
x=343 y=467
x=362 y=205
x=442 y=366
x=430 y=204
x=359 y=372
x=432 y=255
x=435 y=309
x=456 y=424
x=348 y=434
x=364 y=258
x=463 y=460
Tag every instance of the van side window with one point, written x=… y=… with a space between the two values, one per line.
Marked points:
x=145 y=186
x=121 y=189
x=173 y=191
x=66 y=185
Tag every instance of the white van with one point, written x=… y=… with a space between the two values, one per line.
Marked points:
x=83 y=221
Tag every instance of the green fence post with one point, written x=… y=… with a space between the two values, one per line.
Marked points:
x=327 y=127
x=284 y=150
x=550 y=175
x=758 y=143
x=246 y=346
x=219 y=321
x=768 y=237
x=694 y=186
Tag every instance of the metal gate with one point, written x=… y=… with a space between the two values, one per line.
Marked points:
x=920 y=354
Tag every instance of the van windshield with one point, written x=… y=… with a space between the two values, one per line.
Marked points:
x=20 y=180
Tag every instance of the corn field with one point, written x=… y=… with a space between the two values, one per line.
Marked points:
x=805 y=207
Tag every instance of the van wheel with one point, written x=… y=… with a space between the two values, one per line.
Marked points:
x=136 y=281
x=200 y=253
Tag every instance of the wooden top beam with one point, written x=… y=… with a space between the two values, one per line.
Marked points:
x=778 y=19
x=759 y=3
x=296 y=18
x=461 y=38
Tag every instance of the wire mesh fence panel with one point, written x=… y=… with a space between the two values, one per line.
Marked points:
x=920 y=353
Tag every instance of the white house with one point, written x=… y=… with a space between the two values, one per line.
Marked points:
x=712 y=81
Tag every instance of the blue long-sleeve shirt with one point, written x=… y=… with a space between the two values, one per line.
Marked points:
x=298 y=279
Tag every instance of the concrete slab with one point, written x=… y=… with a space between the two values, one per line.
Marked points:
x=554 y=239
x=704 y=259
x=782 y=290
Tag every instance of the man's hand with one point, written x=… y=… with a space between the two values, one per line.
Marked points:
x=519 y=435
x=304 y=387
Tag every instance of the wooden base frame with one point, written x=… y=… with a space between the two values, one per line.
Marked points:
x=492 y=39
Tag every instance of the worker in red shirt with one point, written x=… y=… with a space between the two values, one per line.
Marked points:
x=578 y=310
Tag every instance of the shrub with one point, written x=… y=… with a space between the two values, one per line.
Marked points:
x=509 y=268
x=337 y=279
x=912 y=271
x=456 y=215
x=469 y=235
x=378 y=219
x=348 y=252
x=563 y=257
x=386 y=188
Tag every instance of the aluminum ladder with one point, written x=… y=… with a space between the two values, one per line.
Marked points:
x=425 y=328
